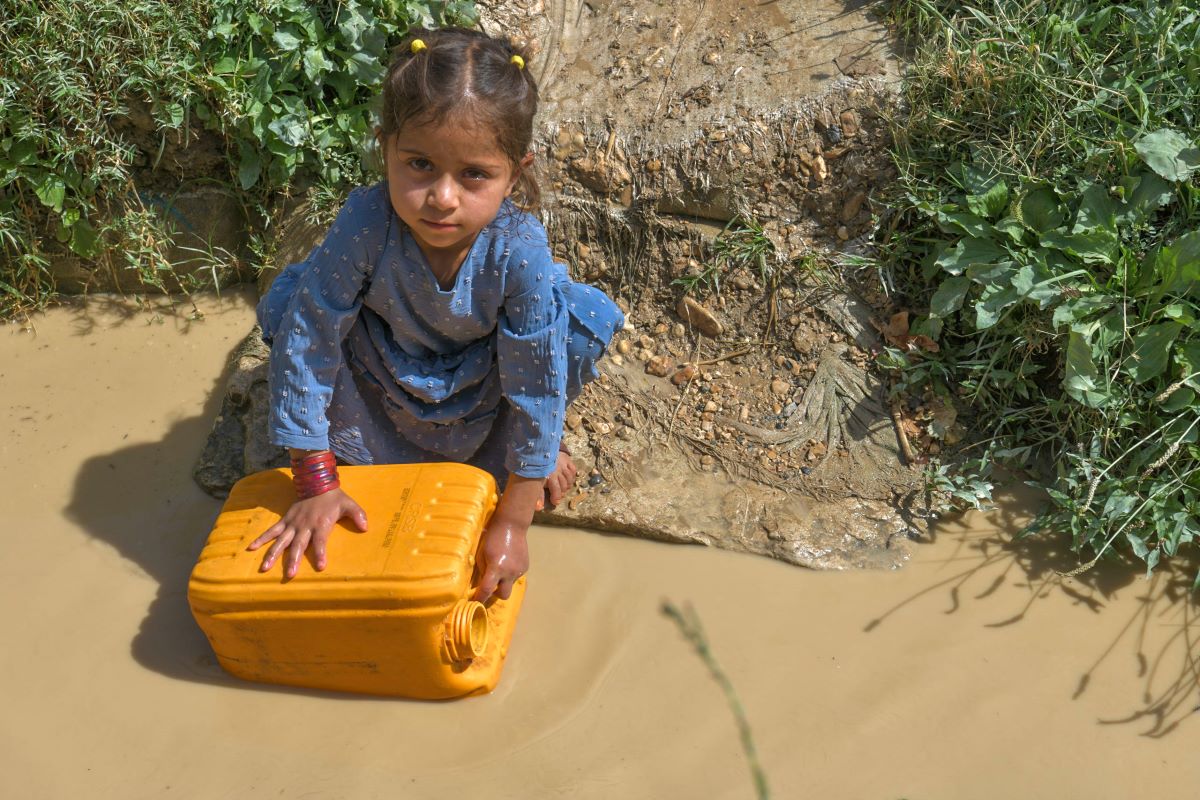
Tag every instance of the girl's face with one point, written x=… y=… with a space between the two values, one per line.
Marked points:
x=447 y=183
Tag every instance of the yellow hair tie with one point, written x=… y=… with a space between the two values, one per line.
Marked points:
x=416 y=46
x=520 y=62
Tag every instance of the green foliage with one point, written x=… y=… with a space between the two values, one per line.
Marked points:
x=288 y=85
x=1051 y=227
x=742 y=243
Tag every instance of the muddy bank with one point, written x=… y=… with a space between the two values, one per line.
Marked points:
x=971 y=673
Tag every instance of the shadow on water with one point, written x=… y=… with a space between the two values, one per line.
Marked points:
x=141 y=500
x=1161 y=630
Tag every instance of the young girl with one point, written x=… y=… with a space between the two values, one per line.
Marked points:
x=432 y=324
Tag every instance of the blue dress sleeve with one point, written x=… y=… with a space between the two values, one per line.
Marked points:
x=532 y=353
x=306 y=350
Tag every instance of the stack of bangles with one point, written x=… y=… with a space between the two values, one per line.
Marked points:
x=315 y=474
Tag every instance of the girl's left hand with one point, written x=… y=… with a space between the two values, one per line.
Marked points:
x=504 y=557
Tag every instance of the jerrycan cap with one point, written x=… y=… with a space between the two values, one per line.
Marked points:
x=467 y=630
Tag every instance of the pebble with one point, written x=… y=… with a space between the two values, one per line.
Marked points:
x=780 y=387
x=646 y=342
x=710 y=407
x=653 y=165
x=843 y=232
x=744 y=413
x=617 y=359
x=683 y=375
x=819 y=169
x=789 y=409
x=595 y=479
x=661 y=328
x=601 y=428
x=624 y=346
x=691 y=311
x=678 y=330
x=574 y=420
x=582 y=250
x=853 y=206
x=659 y=366
x=712 y=59
x=850 y=122
x=707 y=460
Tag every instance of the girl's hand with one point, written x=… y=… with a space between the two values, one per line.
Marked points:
x=503 y=556
x=308 y=522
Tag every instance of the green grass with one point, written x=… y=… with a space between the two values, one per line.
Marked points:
x=1047 y=237
x=287 y=86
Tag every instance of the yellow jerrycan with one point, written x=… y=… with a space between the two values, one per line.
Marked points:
x=391 y=613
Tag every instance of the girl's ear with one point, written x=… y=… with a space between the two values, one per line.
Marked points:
x=525 y=163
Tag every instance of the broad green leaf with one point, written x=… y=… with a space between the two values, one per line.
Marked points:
x=991 y=305
x=84 y=239
x=1041 y=211
x=51 y=190
x=290 y=129
x=1097 y=246
x=1152 y=351
x=990 y=204
x=287 y=38
x=1022 y=281
x=994 y=275
x=1149 y=193
x=1080 y=376
x=1096 y=210
x=1169 y=153
x=1080 y=308
x=1177 y=267
x=949 y=296
x=959 y=222
x=968 y=251
x=249 y=166
x=315 y=63
x=1188 y=354
x=1011 y=227
x=1179 y=399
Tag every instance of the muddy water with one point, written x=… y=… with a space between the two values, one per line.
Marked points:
x=970 y=673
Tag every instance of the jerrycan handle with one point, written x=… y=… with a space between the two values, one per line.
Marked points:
x=467 y=630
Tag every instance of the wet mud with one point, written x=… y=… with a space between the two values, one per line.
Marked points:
x=972 y=672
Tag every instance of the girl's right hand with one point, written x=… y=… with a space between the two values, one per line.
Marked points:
x=308 y=523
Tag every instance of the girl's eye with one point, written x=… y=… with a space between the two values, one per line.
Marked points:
x=476 y=175
x=421 y=164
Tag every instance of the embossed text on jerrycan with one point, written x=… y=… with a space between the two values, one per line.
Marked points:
x=391 y=614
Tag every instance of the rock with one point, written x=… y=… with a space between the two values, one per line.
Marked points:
x=624 y=346
x=819 y=169
x=707 y=460
x=653 y=165
x=853 y=205
x=843 y=233
x=617 y=359
x=780 y=387
x=711 y=407
x=659 y=366
x=678 y=331
x=574 y=420
x=646 y=342
x=582 y=250
x=683 y=375
x=661 y=328
x=849 y=120
x=699 y=317
x=712 y=58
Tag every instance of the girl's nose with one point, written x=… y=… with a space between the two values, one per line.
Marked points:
x=443 y=194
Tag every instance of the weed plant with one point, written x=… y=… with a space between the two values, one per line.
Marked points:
x=1048 y=224
x=287 y=84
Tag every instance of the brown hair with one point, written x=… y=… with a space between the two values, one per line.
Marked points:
x=465 y=72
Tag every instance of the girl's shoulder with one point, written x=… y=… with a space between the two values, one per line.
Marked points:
x=515 y=229
x=368 y=203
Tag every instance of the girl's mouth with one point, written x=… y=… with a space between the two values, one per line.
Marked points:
x=440 y=226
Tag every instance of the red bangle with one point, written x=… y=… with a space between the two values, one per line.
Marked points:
x=315 y=474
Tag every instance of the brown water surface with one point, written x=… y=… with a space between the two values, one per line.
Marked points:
x=971 y=673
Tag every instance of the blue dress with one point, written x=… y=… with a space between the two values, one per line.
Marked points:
x=372 y=359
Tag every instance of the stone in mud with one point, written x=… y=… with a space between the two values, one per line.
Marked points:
x=699 y=317
x=659 y=366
